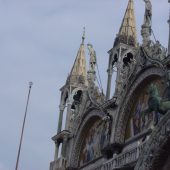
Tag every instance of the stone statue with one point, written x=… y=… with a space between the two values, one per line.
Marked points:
x=153 y=50
x=92 y=57
x=146 y=27
x=148 y=13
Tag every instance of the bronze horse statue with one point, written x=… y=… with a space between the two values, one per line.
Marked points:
x=155 y=102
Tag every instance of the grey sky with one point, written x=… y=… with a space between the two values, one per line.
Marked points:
x=39 y=40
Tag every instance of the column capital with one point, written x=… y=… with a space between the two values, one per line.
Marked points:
x=61 y=107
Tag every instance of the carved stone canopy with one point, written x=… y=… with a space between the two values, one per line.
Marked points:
x=65 y=134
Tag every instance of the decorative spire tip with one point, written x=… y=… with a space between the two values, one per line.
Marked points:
x=83 y=37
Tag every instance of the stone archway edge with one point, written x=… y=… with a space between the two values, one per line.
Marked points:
x=124 y=111
x=152 y=148
x=79 y=137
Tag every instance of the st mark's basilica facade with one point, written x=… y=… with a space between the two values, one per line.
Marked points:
x=129 y=130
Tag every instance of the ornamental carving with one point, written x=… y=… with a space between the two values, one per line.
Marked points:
x=150 y=158
x=155 y=53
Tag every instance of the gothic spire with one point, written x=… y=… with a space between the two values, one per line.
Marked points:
x=78 y=74
x=127 y=33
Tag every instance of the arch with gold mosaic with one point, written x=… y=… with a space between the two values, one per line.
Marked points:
x=132 y=97
x=92 y=136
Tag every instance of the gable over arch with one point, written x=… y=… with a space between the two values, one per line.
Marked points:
x=141 y=118
x=84 y=138
x=124 y=112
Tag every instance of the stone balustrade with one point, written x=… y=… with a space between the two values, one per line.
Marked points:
x=59 y=164
x=121 y=160
x=127 y=157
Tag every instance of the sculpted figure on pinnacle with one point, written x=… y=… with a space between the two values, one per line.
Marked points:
x=146 y=27
x=148 y=13
x=92 y=57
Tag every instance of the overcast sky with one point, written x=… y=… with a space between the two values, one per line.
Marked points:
x=39 y=40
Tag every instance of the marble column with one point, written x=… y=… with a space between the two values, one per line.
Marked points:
x=56 y=151
x=63 y=153
x=69 y=104
x=110 y=72
x=60 y=121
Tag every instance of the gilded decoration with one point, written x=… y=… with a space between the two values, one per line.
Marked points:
x=144 y=113
x=96 y=138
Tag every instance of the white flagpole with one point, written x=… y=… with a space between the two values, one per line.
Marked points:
x=22 y=132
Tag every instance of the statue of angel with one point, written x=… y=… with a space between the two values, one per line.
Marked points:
x=92 y=57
